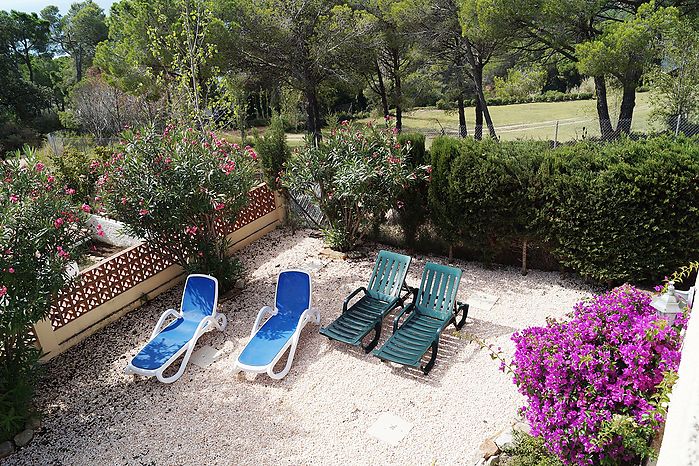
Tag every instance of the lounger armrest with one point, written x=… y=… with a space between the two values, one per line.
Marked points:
x=261 y=315
x=405 y=310
x=161 y=321
x=349 y=298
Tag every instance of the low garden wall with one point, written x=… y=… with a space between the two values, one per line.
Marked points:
x=115 y=286
x=680 y=445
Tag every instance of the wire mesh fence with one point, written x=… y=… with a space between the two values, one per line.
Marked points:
x=560 y=131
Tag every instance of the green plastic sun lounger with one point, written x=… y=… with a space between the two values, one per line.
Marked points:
x=382 y=295
x=433 y=309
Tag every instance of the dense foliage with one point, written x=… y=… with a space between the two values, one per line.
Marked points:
x=618 y=212
x=354 y=176
x=412 y=201
x=177 y=189
x=273 y=151
x=596 y=384
x=41 y=231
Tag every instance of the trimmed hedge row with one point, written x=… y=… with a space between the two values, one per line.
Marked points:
x=624 y=211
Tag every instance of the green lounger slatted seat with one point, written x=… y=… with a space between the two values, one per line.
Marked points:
x=382 y=295
x=433 y=309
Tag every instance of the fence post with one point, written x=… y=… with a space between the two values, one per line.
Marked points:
x=555 y=137
x=677 y=127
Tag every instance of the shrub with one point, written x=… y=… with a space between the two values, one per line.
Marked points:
x=354 y=176
x=14 y=136
x=176 y=190
x=596 y=384
x=626 y=211
x=528 y=450
x=444 y=211
x=40 y=232
x=617 y=212
x=78 y=169
x=412 y=201
x=520 y=83
x=273 y=152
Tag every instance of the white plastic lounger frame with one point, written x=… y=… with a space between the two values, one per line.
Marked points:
x=216 y=320
x=309 y=315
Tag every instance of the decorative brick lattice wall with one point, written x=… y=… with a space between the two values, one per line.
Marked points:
x=132 y=266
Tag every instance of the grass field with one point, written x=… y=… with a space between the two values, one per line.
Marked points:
x=576 y=119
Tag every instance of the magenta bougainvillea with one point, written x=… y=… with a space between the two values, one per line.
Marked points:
x=592 y=381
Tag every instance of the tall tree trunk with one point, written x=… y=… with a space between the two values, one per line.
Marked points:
x=605 y=121
x=78 y=58
x=397 y=89
x=28 y=61
x=478 y=82
x=628 y=102
x=313 y=115
x=462 y=117
x=382 y=89
x=478 y=130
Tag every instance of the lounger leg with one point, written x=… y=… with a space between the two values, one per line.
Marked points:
x=428 y=367
x=178 y=374
x=287 y=367
x=460 y=323
x=372 y=344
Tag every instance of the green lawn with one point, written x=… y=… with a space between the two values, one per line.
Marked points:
x=575 y=119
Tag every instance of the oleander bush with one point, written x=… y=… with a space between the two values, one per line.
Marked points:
x=355 y=176
x=176 y=189
x=597 y=384
x=41 y=231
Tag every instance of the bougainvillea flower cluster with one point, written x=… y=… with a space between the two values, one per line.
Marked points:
x=606 y=361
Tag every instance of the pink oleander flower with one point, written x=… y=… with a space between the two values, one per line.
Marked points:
x=86 y=208
x=70 y=191
x=62 y=253
x=14 y=198
x=219 y=206
x=191 y=230
x=58 y=223
x=3 y=291
x=11 y=270
x=39 y=166
x=143 y=212
x=50 y=179
x=123 y=201
x=100 y=231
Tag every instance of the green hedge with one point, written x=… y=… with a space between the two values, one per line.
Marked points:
x=412 y=202
x=625 y=211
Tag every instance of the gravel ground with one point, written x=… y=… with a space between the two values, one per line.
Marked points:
x=319 y=414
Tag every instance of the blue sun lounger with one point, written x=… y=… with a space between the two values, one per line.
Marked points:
x=269 y=342
x=196 y=316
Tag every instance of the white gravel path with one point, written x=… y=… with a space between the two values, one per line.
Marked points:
x=318 y=414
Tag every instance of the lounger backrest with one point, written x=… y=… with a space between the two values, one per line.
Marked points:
x=293 y=292
x=437 y=294
x=388 y=275
x=200 y=296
